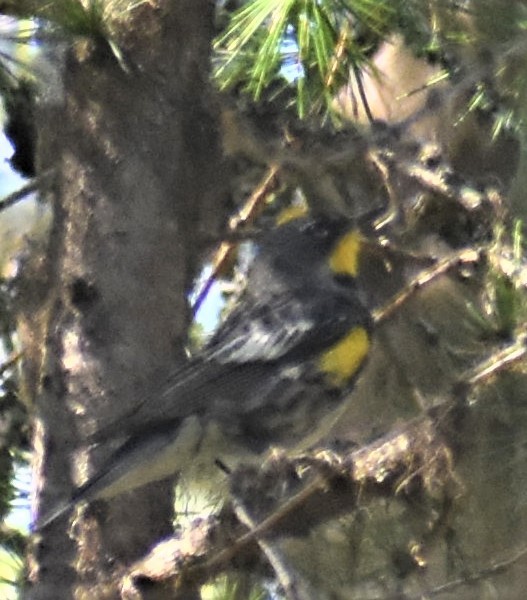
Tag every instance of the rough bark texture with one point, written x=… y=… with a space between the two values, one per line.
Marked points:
x=136 y=161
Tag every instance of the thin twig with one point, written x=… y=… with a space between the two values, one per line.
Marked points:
x=10 y=362
x=390 y=214
x=499 y=361
x=25 y=190
x=289 y=506
x=472 y=578
x=292 y=587
x=459 y=258
x=227 y=248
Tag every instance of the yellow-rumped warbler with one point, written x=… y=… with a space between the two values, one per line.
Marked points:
x=280 y=363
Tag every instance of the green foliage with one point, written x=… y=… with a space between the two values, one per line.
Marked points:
x=78 y=18
x=91 y=19
x=232 y=588
x=494 y=41
x=11 y=568
x=317 y=46
x=74 y=16
x=13 y=64
x=506 y=282
x=328 y=40
x=196 y=336
x=505 y=305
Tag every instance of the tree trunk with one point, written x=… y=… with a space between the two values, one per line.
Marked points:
x=134 y=152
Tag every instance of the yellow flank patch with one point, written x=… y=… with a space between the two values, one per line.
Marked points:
x=345 y=256
x=344 y=359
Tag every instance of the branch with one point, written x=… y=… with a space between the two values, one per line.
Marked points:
x=24 y=191
x=289 y=496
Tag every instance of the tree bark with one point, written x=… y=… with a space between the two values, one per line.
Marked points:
x=135 y=156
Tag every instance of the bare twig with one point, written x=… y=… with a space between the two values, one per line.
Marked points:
x=472 y=578
x=499 y=361
x=10 y=362
x=457 y=259
x=293 y=588
x=25 y=190
x=246 y=215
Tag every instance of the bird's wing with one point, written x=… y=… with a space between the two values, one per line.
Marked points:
x=262 y=331
x=252 y=336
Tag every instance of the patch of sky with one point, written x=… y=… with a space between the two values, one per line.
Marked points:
x=209 y=314
x=291 y=68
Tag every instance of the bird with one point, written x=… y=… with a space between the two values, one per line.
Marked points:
x=282 y=361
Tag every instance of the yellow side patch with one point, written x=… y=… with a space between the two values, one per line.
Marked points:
x=345 y=256
x=344 y=359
